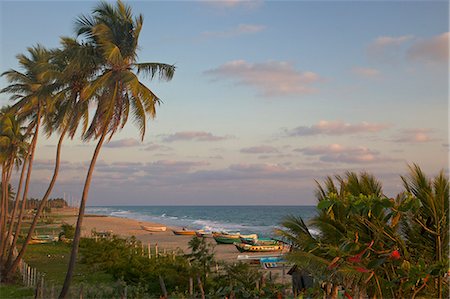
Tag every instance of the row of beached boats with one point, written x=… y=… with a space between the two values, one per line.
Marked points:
x=243 y=243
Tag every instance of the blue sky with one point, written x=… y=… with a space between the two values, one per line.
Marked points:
x=267 y=97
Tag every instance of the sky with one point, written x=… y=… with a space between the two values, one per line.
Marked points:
x=267 y=97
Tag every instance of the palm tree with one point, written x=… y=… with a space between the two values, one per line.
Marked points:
x=32 y=89
x=115 y=33
x=13 y=150
x=73 y=66
x=427 y=228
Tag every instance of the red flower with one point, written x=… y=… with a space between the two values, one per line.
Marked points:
x=362 y=270
x=354 y=259
x=395 y=255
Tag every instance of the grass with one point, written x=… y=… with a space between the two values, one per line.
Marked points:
x=14 y=291
x=53 y=258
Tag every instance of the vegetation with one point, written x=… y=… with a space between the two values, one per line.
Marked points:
x=53 y=92
x=376 y=246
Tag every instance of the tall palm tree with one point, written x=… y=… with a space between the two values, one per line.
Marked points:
x=115 y=34
x=13 y=147
x=31 y=90
x=73 y=66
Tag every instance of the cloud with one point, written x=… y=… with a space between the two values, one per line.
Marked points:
x=272 y=78
x=336 y=128
x=128 y=142
x=152 y=147
x=228 y=4
x=241 y=29
x=194 y=136
x=263 y=149
x=172 y=167
x=337 y=153
x=431 y=50
x=414 y=136
x=366 y=72
x=388 y=48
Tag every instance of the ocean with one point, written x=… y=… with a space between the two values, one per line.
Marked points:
x=245 y=219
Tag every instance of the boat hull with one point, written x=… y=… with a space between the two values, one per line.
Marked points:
x=184 y=232
x=258 y=248
x=154 y=228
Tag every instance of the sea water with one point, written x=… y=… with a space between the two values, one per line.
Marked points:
x=262 y=220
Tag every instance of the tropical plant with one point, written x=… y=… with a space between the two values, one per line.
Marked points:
x=426 y=229
x=114 y=33
x=201 y=256
x=32 y=90
x=13 y=149
x=359 y=245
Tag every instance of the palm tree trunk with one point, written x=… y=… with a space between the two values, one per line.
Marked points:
x=41 y=205
x=16 y=203
x=3 y=206
x=76 y=238
x=5 y=184
x=10 y=269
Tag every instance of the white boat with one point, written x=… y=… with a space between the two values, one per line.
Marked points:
x=154 y=228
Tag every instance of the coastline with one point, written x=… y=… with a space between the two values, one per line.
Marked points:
x=127 y=227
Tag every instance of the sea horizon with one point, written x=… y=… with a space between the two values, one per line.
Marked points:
x=246 y=219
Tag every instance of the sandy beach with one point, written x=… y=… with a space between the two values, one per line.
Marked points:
x=126 y=227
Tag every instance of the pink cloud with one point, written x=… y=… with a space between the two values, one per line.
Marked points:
x=157 y=147
x=336 y=128
x=414 y=136
x=273 y=78
x=433 y=49
x=194 y=136
x=388 y=48
x=128 y=142
x=337 y=153
x=263 y=149
x=234 y=3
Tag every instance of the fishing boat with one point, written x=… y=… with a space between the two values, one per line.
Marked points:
x=154 y=228
x=203 y=234
x=272 y=262
x=226 y=238
x=184 y=232
x=259 y=241
x=258 y=248
x=42 y=239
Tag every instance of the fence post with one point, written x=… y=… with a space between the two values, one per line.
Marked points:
x=191 y=286
x=149 y=251
x=41 y=295
x=28 y=276
x=81 y=291
x=156 y=249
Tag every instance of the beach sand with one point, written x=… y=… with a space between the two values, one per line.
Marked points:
x=125 y=227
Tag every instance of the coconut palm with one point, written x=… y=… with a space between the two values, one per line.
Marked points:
x=116 y=90
x=13 y=147
x=31 y=89
x=72 y=67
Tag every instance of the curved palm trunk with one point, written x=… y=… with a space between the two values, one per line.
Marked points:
x=16 y=203
x=4 y=207
x=4 y=239
x=40 y=208
x=76 y=238
x=9 y=273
